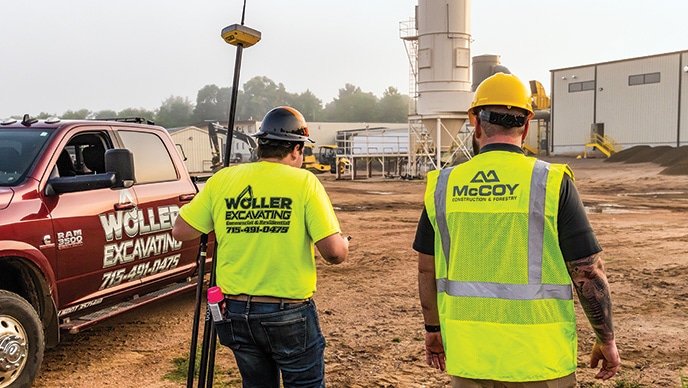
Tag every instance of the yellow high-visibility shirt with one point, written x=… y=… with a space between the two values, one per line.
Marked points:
x=266 y=218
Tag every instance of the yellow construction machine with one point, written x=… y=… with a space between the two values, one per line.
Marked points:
x=539 y=98
x=326 y=159
x=215 y=129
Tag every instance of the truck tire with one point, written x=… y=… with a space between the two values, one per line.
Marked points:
x=21 y=341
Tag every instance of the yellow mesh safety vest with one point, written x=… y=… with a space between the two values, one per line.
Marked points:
x=504 y=294
x=266 y=217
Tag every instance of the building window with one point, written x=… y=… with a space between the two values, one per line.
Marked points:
x=581 y=86
x=642 y=79
x=588 y=85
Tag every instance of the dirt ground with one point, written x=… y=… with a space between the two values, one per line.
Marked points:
x=369 y=307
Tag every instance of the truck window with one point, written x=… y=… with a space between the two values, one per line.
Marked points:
x=86 y=152
x=152 y=162
x=18 y=152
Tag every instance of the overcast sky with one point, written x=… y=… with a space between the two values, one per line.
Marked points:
x=96 y=55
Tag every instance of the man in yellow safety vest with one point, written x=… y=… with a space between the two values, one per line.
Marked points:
x=499 y=242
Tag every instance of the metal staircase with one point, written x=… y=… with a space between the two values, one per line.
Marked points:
x=604 y=144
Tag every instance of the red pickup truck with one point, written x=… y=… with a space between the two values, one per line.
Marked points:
x=86 y=212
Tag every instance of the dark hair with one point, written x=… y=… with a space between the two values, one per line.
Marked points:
x=270 y=148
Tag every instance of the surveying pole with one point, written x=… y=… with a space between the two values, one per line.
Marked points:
x=239 y=36
x=242 y=37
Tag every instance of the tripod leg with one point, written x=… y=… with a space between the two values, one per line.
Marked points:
x=202 y=250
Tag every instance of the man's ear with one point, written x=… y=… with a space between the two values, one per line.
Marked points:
x=478 y=130
x=525 y=131
x=297 y=152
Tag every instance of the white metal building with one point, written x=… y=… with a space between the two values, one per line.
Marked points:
x=636 y=101
x=193 y=141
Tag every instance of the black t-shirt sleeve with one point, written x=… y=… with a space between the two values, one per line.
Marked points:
x=576 y=237
x=425 y=235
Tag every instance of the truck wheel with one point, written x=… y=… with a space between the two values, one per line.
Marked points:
x=21 y=341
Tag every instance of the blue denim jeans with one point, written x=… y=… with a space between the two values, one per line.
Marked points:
x=269 y=339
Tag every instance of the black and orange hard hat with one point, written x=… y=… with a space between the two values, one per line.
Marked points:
x=284 y=123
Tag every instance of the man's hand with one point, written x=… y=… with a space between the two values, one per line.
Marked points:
x=590 y=282
x=434 y=351
x=609 y=356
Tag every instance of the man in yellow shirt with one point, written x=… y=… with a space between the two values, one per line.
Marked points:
x=500 y=241
x=267 y=217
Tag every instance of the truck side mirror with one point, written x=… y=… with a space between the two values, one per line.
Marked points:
x=71 y=184
x=121 y=162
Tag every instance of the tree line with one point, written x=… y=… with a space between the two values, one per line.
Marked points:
x=260 y=94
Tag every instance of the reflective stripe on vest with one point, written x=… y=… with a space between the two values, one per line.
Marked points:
x=536 y=226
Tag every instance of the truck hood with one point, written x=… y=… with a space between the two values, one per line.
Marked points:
x=6 y=194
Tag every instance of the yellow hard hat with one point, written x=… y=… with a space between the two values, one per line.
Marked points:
x=502 y=89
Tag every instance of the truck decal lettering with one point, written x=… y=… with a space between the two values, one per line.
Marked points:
x=134 y=223
x=112 y=225
x=131 y=223
x=138 y=271
x=70 y=239
x=140 y=248
x=78 y=307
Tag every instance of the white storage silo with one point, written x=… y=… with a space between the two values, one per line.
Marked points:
x=444 y=72
x=444 y=56
x=485 y=66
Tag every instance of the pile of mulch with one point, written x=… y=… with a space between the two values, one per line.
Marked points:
x=675 y=159
x=675 y=155
x=623 y=156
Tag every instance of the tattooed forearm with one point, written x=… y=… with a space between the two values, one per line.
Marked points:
x=592 y=288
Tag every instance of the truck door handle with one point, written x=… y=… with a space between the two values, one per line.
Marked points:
x=186 y=197
x=125 y=206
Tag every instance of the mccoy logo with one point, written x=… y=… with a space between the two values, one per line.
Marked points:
x=485 y=186
x=481 y=177
x=247 y=207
